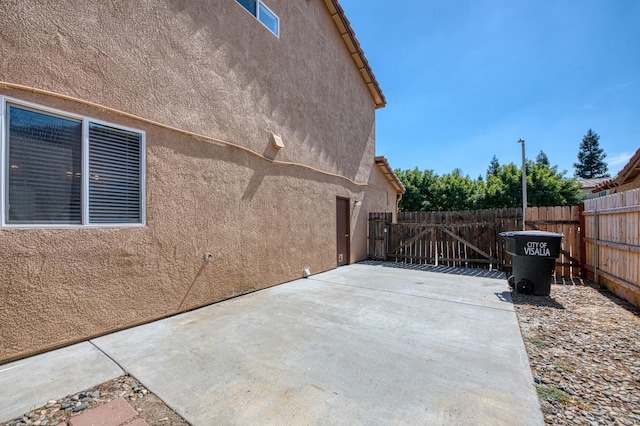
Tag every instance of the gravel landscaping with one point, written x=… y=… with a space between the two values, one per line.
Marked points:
x=584 y=349
x=149 y=407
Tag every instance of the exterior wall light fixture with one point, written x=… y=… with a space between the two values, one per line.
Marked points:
x=276 y=140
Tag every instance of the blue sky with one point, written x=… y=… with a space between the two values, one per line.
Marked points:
x=466 y=79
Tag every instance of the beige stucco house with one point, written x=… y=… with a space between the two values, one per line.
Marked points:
x=587 y=187
x=138 y=137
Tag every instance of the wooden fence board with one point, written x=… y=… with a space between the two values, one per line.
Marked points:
x=471 y=238
x=612 y=242
x=562 y=220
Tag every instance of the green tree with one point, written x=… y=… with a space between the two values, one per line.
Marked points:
x=426 y=191
x=455 y=191
x=494 y=165
x=591 y=157
x=419 y=189
x=547 y=187
x=542 y=158
x=503 y=189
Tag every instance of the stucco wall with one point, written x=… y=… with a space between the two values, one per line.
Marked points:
x=209 y=68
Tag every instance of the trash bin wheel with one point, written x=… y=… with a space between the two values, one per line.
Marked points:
x=524 y=286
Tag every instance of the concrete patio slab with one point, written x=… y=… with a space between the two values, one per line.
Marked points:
x=29 y=383
x=362 y=344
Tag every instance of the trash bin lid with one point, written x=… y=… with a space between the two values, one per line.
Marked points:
x=533 y=243
x=531 y=234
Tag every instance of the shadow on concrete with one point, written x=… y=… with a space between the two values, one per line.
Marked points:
x=472 y=272
x=505 y=296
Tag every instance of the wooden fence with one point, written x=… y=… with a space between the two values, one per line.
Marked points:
x=611 y=248
x=562 y=220
x=470 y=238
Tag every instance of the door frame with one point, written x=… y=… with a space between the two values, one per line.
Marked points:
x=346 y=217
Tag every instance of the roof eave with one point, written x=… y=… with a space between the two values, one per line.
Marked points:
x=629 y=172
x=391 y=176
x=348 y=35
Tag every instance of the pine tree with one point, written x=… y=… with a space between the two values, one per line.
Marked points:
x=542 y=158
x=494 y=166
x=591 y=157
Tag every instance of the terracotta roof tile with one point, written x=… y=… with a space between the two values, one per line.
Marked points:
x=628 y=173
x=350 y=40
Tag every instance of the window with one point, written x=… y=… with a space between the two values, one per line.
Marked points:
x=268 y=19
x=250 y=5
x=258 y=9
x=64 y=170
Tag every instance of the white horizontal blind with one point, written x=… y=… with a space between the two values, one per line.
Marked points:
x=114 y=175
x=44 y=168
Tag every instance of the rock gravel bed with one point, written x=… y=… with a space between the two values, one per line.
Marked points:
x=584 y=349
x=149 y=407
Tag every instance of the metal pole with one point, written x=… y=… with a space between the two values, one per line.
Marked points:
x=524 y=186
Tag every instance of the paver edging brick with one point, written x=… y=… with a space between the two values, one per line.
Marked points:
x=113 y=413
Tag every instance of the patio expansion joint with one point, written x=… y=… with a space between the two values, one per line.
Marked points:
x=125 y=371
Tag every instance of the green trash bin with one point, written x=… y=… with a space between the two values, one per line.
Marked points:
x=534 y=260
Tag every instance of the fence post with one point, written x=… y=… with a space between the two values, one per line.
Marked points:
x=596 y=238
x=387 y=223
x=583 y=243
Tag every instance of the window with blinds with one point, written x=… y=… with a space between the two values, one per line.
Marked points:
x=45 y=183
x=114 y=175
x=44 y=163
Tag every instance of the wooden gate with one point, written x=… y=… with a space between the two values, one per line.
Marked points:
x=470 y=238
x=456 y=239
x=378 y=230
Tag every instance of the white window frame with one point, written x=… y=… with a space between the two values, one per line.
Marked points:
x=259 y=4
x=84 y=191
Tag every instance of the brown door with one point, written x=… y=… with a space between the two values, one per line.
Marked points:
x=342 y=231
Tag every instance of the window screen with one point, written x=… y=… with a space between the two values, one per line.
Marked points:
x=44 y=163
x=114 y=175
x=44 y=168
